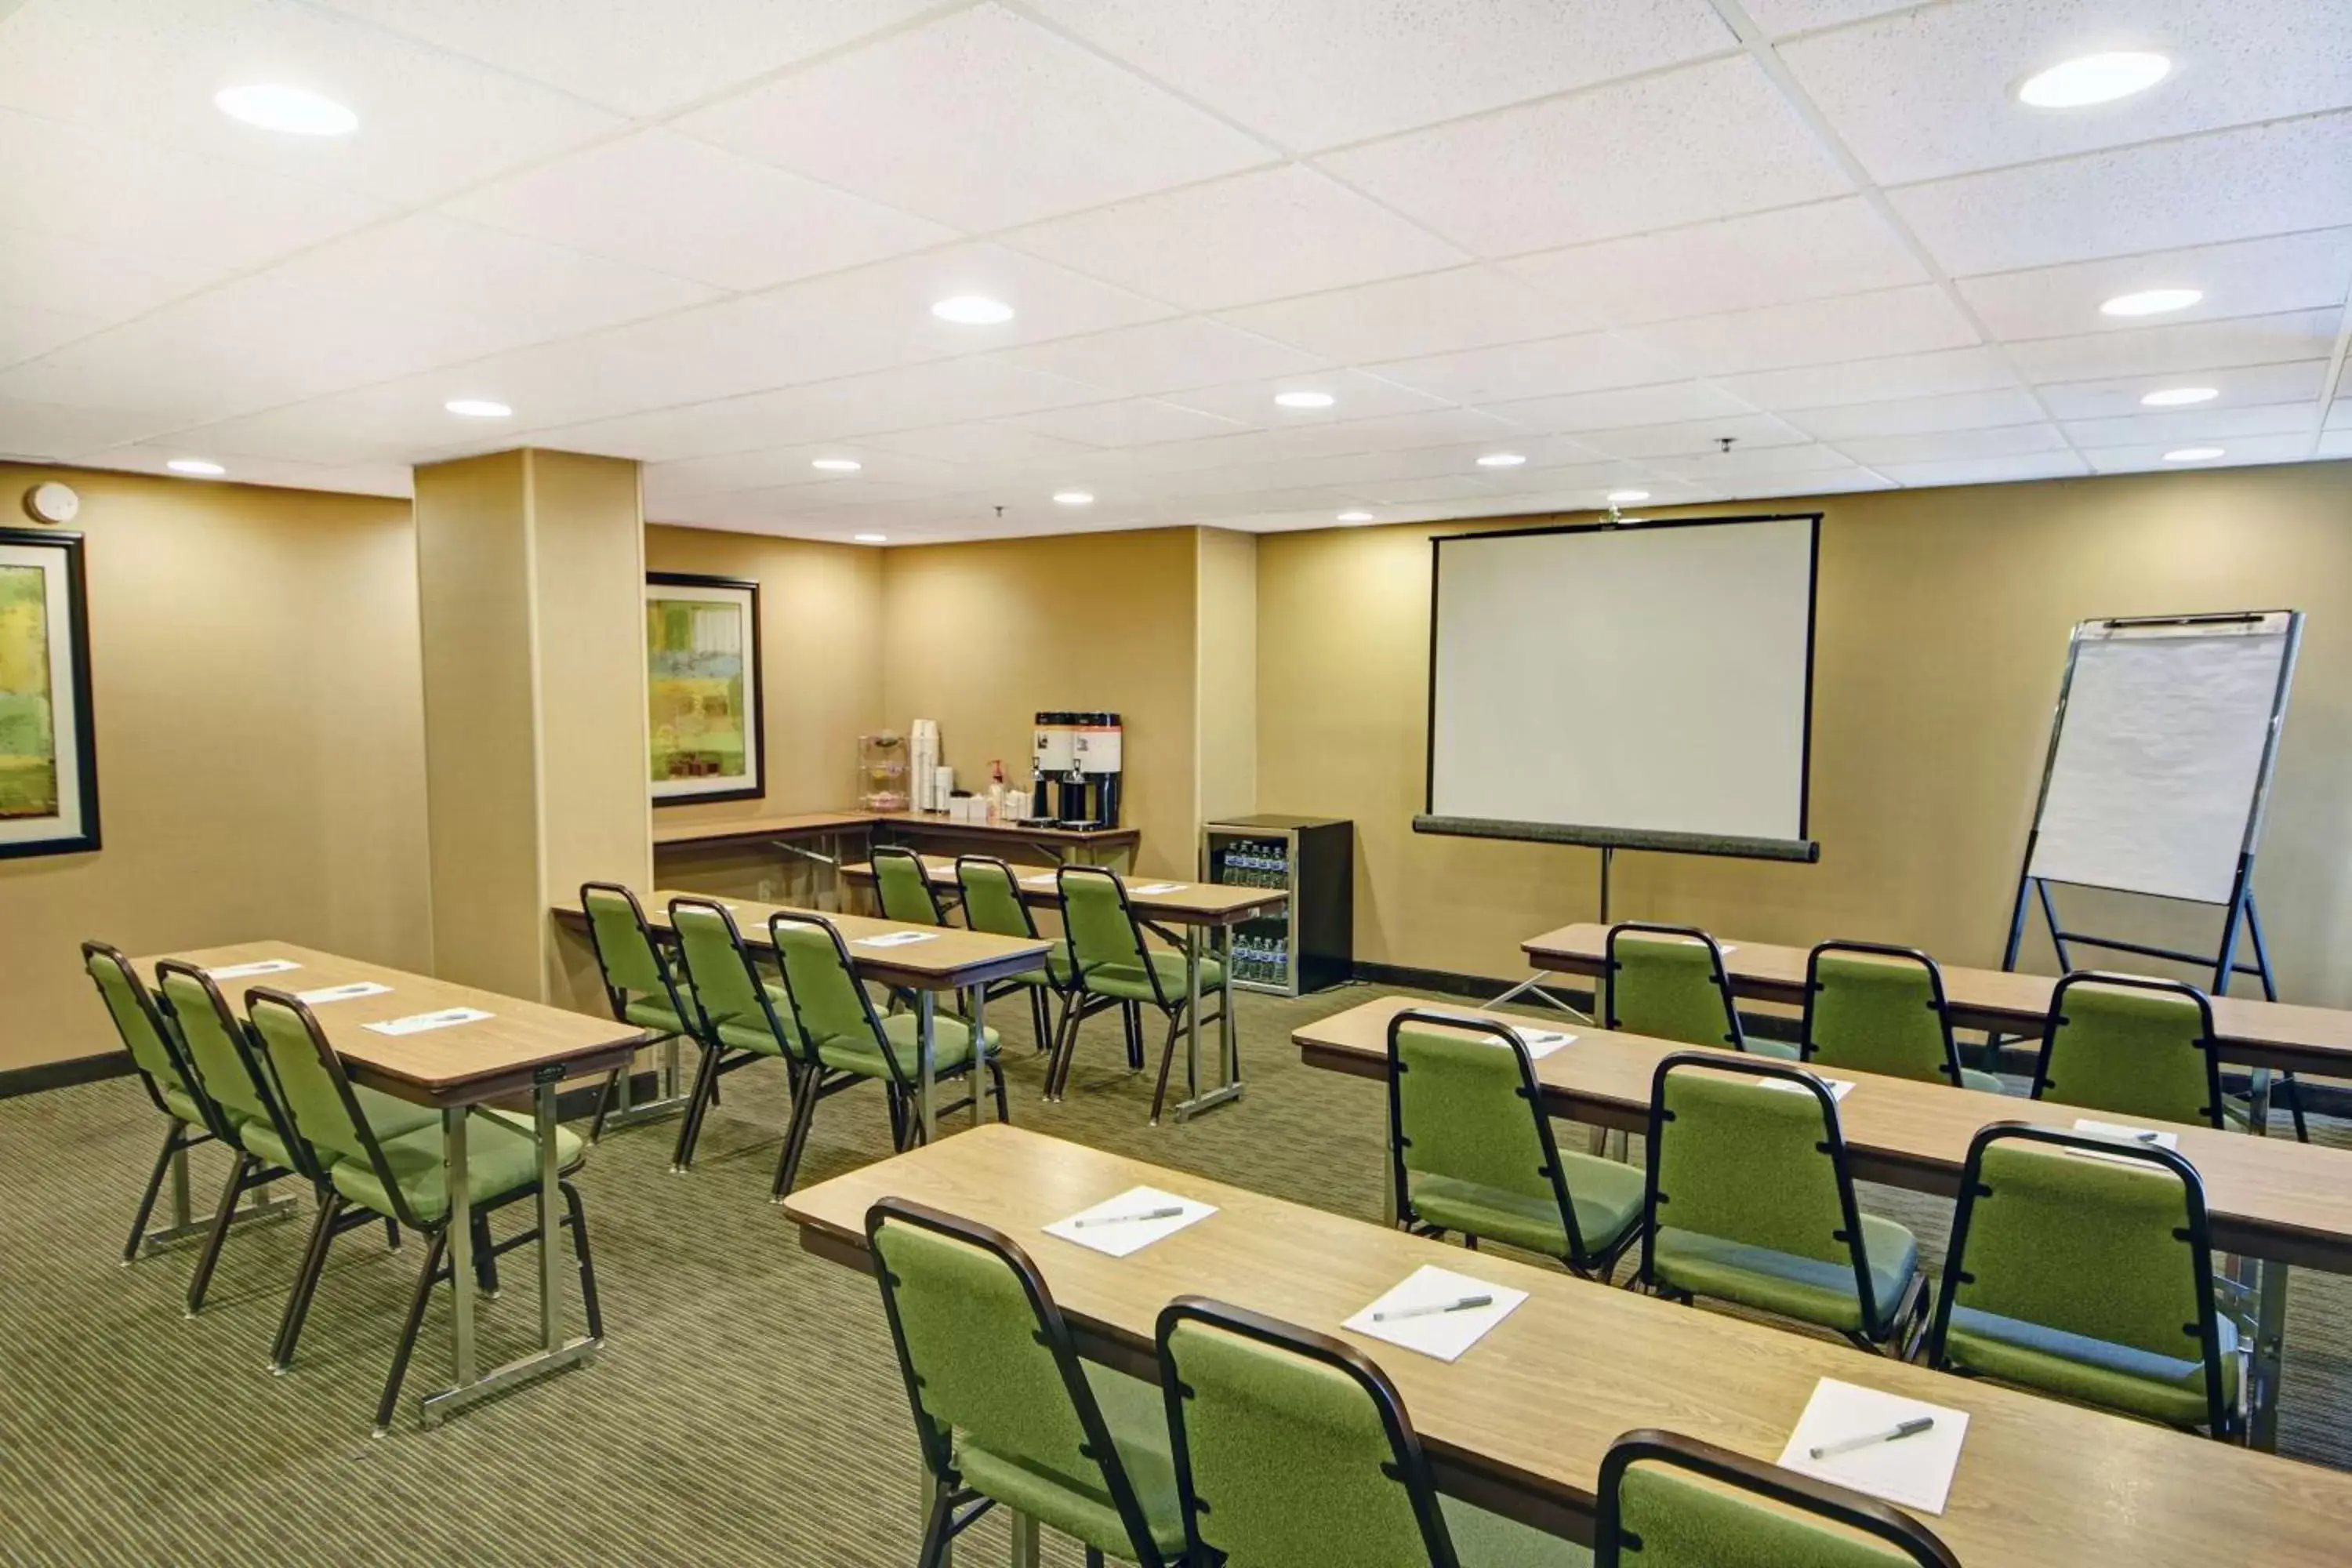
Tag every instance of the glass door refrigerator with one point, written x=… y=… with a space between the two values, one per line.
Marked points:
x=1308 y=943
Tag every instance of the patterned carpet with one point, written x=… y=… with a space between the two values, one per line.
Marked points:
x=746 y=1408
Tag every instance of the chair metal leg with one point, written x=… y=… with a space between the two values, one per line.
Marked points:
x=426 y=1279
x=1167 y=1061
x=937 y=1528
x=224 y=1215
x=689 y=1128
x=604 y=1102
x=579 y=1220
x=1074 y=1021
x=305 y=1283
x=171 y=1145
x=1130 y=1014
x=486 y=1262
x=390 y=1234
x=787 y=1164
x=996 y=1077
x=1041 y=1013
x=2294 y=1095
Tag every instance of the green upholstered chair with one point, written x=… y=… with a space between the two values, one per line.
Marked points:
x=992 y=903
x=1671 y=1502
x=1115 y=967
x=1471 y=1149
x=1003 y=1408
x=2131 y=1045
x=219 y=1057
x=189 y=1118
x=2087 y=1278
x=903 y=888
x=321 y=1121
x=1876 y=1008
x=638 y=984
x=738 y=1019
x=843 y=1042
x=1292 y=1447
x=1669 y=983
x=1750 y=1200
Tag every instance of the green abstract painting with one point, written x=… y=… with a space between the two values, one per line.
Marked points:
x=48 y=752
x=702 y=685
x=29 y=751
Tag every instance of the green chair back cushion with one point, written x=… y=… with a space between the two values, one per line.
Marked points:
x=133 y=1022
x=1668 y=1519
x=314 y=1100
x=1742 y=1162
x=904 y=888
x=718 y=968
x=1665 y=988
x=1102 y=935
x=1460 y=1098
x=623 y=949
x=2131 y=1052
x=1877 y=1014
x=826 y=1002
x=991 y=901
x=1289 y=1458
x=213 y=1054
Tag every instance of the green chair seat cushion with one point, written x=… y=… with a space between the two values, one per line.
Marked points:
x=950 y=1048
x=1802 y=1287
x=1058 y=969
x=387 y=1117
x=1137 y=1417
x=1606 y=1195
x=501 y=1157
x=1775 y=1050
x=1988 y=1083
x=2096 y=1372
x=751 y=1033
x=654 y=1013
x=1483 y=1539
x=1129 y=983
x=180 y=1104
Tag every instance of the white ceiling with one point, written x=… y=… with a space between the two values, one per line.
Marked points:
x=1600 y=234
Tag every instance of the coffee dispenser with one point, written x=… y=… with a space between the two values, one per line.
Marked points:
x=1075 y=756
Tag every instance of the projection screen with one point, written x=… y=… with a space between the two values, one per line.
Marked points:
x=1636 y=685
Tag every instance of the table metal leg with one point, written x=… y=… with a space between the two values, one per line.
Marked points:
x=461 y=1237
x=669 y=1096
x=263 y=1208
x=2269 y=1349
x=978 y=1072
x=1196 y=1099
x=926 y=1020
x=2258 y=1102
x=180 y=1217
x=1024 y=1539
x=551 y=1300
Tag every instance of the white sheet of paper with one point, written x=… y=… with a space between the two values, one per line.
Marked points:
x=259 y=966
x=1838 y=1087
x=1445 y=1335
x=2128 y=1134
x=1155 y=888
x=421 y=1023
x=896 y=938
x=1118 y=1239
x=1915 y=1472
x=341 y=992
x=1540 y=1043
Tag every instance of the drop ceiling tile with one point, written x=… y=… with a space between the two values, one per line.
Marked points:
x=2250 y=277
x=1781 y=17
x=981 y=119
x=1921 y=416
x=1322 y=72
x=2339 y=413
x=987 y=446
x=1729 y=470
x=1668 y=403
x=54 y=433
x=1818 y=482
x=1433 y=312
x=1858 y=381
x=1409 y=492
x=1818 y=331
x=884 y=473
x=2191 y=346
x=152 y=457
x=2205 y=190
x=1173 y=355
x=1237 y=241
x=1810 y=252
x=106 y=282
x=1394 y=432
x=897 y=295
x=638 y=59
x=1986 y=470
x=1356 y=396
x=428 y=123
x=1555 y=366
x=2202 y=427
x=2333 y=444
x=2243 y=452
x=109 y=190
x=1697 y=437
x=1587 y=481
x=2237 y=63
x=27 y=332
x=1130 y=422
x=2238 y=387
x=670 y=203
x=1953 y=446
x=1703 y=141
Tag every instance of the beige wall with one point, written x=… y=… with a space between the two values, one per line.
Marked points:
x=981 y=637
x=260 y=729
x=1942 y=629
x=1226 y=660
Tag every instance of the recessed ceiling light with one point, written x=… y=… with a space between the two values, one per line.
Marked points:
x=477 y=408
x=871 y=537
x=837 y=465
x=1629 y=495
x=295 y=110
x=2180 y=397
x=2151 y=301
x=2093 y=78
x=197 y=466
x=1305 y=399
x=2193 y=454
x=972 y=310
x=1355 y=517
x=1075 y=498
x=1501 y=460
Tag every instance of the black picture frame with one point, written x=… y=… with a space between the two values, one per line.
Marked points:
x=76 y=772
x=755 y=746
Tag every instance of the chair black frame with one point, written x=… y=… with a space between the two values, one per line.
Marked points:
x=1079 y=1004
x=1041 y=1012
x=2056 y=1018
x=177 y=1138
x=1882 y=1336
x=1580 y=1260
x=1650 y=1445
x=882 y=852
x=1738 y=1037
x=1940 y=1006
x=1409 y=1464
x=436 y=1267
x=2220 y=1417
x=617 y=999
x=945 y=1522
x=715 y=1063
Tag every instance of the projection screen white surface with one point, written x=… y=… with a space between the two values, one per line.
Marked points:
x=1646 y=678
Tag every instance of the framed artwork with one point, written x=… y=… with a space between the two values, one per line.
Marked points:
x=48 y=745
x=702 y=654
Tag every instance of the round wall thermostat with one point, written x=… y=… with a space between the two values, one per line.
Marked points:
x=50 y=502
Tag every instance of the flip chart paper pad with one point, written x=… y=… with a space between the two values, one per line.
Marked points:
x=1120 y=1239
x=353 y=991
x=259 y=966
x=1445 y=1335
x=1914 y=1473
x=424 y=1022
